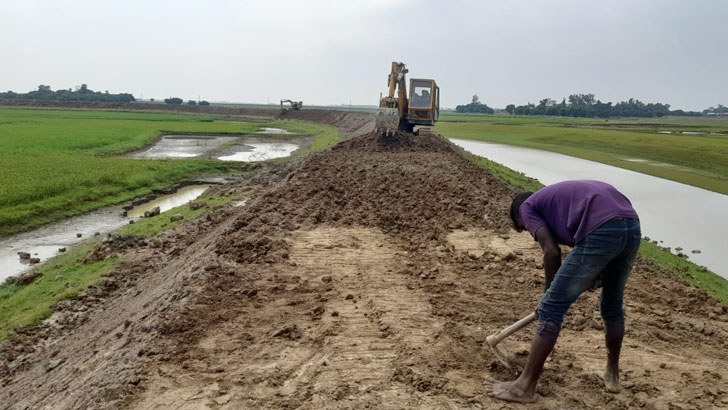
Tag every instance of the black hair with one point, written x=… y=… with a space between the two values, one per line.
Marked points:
x=516 y=206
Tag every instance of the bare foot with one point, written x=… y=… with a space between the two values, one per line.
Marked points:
x=611 y=381
x=508 y=391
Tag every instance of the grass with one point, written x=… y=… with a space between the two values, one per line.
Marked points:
x=152 y=226
x=715 y=285
x=29 y=305
x=59 y=163
x=697 y=160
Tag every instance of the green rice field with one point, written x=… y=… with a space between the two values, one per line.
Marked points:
x=59 y=163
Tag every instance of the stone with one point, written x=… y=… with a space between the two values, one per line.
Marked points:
x=154 y=212
x=108 y=284
x=131 y=222
x=27 y=278
x=176 y=217
x=78 y=235
x=53 y=363
x=33 y=261
x=61 y=250
x=24 y=255
x=197 y=205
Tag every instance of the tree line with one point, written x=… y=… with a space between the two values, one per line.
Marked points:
x=179 y=101
x=81 y=93
x=586 y=105
x=475 y=106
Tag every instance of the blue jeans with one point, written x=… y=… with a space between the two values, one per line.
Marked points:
x=610 y=248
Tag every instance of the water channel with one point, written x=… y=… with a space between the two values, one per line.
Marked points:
x=679 y=215
x=45 y=242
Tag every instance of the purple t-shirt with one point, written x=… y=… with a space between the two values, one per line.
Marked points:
x=573 y=209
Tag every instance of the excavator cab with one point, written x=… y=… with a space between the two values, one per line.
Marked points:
x=424 y=102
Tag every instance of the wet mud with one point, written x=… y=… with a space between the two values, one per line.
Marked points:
x=366 y=276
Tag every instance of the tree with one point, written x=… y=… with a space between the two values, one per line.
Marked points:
x=510 y=109
x=82 y=93
x=173 y=101
x=191 y=102
x=203 y=102
x=475 y=106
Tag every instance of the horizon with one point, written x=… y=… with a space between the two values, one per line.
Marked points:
x=326 y=52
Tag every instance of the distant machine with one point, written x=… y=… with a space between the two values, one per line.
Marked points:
x=291 y=105
x=400 y=113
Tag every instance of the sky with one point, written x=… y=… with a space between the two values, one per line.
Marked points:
x=340 y=51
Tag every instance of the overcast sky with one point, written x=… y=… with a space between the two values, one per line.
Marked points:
x=339 y=51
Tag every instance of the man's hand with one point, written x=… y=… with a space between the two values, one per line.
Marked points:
x=551 y=254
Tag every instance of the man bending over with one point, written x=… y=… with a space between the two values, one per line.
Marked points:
x=600 y=224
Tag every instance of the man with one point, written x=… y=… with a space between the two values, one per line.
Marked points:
x=600 y=224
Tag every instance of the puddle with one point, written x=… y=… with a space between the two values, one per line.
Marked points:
x=224 y=148
x=45 y=241
x=261 y=151
x=689 y=133
x=183 y=146
x=167 y=202
x=266 y=130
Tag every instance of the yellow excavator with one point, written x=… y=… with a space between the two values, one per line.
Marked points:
x=401 y=112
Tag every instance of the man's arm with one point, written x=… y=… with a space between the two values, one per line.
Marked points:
x=551 y=254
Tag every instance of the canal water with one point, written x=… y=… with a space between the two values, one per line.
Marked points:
x=45 y=242
x=679 y=215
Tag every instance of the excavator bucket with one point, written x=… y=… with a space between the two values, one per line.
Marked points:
x=387 y=121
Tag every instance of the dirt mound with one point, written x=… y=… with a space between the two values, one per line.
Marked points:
x=415 y=188
x=351 y=123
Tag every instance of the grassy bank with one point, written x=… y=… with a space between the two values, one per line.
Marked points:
x=715 y=285
x=59 y=163
x=64 y=276
x=698 y=160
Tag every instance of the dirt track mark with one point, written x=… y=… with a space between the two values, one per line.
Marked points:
x=346 y=349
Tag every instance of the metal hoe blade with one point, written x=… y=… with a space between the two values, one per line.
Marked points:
x=387 y=120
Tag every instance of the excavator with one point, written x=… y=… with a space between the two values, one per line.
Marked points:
x=401 y=112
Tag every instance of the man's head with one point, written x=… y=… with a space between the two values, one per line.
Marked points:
x=515 y=210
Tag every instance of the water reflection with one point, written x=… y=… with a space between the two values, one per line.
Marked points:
x=261 y=151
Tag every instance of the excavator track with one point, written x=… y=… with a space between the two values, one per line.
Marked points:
x=424 y=131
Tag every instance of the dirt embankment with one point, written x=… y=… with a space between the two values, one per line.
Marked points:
x=366 y=277
x=351 y=123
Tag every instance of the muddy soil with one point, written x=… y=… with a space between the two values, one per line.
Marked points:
x=367 y=276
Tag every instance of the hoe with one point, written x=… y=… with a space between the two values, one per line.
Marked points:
x=497 y=337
